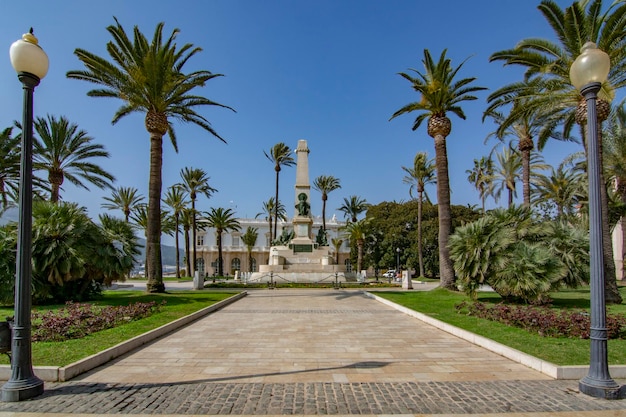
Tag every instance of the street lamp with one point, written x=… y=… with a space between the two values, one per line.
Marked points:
x=31 y=64
x=587 y=73
x=397 y=261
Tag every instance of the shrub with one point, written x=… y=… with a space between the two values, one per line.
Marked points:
x=544 y=321
x=77 y=320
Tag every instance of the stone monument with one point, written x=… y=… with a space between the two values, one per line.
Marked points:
x=302 y=259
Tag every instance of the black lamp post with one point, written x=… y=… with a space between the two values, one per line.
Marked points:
x=587 y=73
x=397 y=261
x=31 y=64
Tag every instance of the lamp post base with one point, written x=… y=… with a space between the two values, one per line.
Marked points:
x=20 y=390
x=609 y=390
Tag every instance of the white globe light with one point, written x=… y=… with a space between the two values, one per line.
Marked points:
x=592 y=65
x=27 y=56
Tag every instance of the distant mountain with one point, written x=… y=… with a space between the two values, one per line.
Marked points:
x=168 y=254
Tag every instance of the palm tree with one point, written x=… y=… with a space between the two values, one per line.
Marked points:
x=223 y=220
x=482 y=178
x=269 y=209
x=249 y=239
x=195 y=181
x=336 y=242
x=506 y=174
x=352 y=207
x=440 y=94
x=522 y=124
x=186 y=220
x=615 y=164
x=421 y=174
x=357 y=232
x=550 y=62
x=325 y=184
x=148 y=78
x=176 y=199
x=124 y=198
x=10 y=167
x=280 y=155
x=563 y=187
x=65 y=153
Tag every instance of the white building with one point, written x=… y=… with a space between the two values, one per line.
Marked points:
x=235 y=252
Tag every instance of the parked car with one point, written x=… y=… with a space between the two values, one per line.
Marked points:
x=390 y=274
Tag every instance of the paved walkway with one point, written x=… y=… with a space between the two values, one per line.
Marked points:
x=311 y=352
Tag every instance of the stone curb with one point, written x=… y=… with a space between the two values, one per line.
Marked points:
x=547 y=368
x=65 y=373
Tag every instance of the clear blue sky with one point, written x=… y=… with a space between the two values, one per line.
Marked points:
x=324 y=71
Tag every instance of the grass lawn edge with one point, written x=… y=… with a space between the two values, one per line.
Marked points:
x=65 y=373
x=545 y=367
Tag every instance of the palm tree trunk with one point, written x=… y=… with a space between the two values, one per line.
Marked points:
x=420 y=258
x=187 y=252
x=446 y=270
x=193 y=235
x=525 y=146
x=220 y=266
x=611 y=292
x=276 y=205
x=324 y=198
x=177 y=249
x=359 y=255
x=153 y=232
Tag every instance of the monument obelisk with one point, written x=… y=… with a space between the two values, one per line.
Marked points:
x=302 y=220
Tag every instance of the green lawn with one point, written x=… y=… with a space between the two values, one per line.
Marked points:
x=179 y=304
x=440 y=304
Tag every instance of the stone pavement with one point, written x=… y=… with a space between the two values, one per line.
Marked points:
x=312 y=352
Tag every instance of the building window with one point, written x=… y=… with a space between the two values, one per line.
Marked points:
x=348 y=265
x=236 y=241
x=253 y=265
x=200 y=266
x=267 y=240
x=235 y=265
x=200 y=239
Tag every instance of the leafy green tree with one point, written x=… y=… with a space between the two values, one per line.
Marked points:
x=549 y=62
x=280 y=156
x=8 y=249
x=325 y=184
x=148 y=77
x=249 y=239
x=439 y=94
x=336 y=242
x=126 y=199
x=195 y=181
x=565 y=187
x=65 y=152
x=176 y=199
x=506 y=174
x=352 y=207
x=421 y=174
x=223 y=220
x=481 y=176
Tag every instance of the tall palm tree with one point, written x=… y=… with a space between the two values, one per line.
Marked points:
x=176 y=199
x=523 y=125
x=615 y=164
x=269 y=209
x=148 y=77
x=125 y=199
x=352 y=207
x=223 y=220
x=482 y=177
x=336 y=242
x=325 y=184
x=249 y=239
x=65 y=152
x=357 y=232
x=421 y=174
x=440 y=93
x=195 y=181
x=549 y=61
x=280 y=156
x=186 y=220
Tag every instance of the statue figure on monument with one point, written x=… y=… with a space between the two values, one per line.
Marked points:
x=302 y=206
